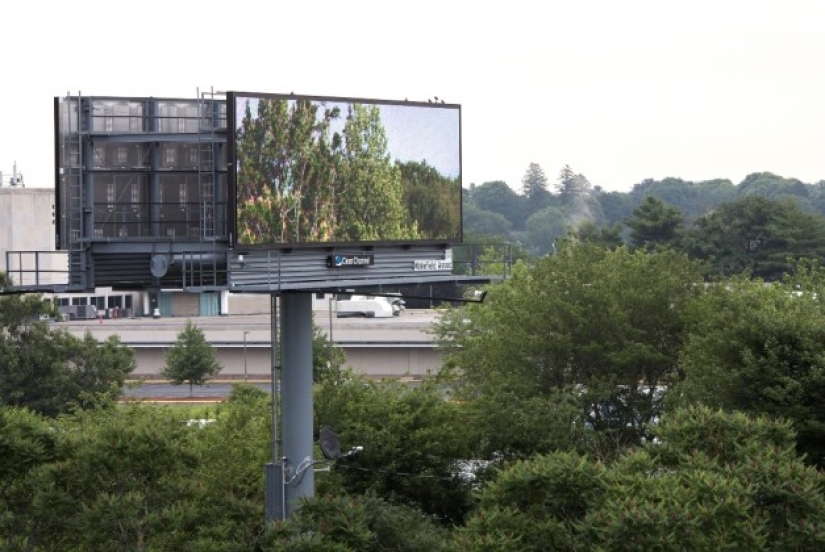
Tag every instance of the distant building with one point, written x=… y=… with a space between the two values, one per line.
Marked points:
x=27 y=226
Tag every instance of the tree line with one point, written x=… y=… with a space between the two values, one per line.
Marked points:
x=753 y=225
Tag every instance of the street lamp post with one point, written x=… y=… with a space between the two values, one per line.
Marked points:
x=330 y=319
x=244 y=355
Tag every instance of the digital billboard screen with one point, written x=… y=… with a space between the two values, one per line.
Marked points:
x=322 y=170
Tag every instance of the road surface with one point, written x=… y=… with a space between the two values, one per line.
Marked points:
x=165 y=391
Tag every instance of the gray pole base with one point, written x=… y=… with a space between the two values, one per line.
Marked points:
x=296 y=398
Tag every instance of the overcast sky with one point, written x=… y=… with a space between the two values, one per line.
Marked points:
x=621 y=90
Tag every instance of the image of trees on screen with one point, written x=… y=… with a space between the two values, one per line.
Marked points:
x=335 y=171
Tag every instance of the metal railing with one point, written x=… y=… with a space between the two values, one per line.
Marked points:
x=48 y=270
x=483 y=260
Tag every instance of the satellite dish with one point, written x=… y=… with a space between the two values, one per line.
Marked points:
x=328 y=441
x=159 y=266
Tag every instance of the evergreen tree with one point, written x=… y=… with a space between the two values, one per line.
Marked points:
x=534 y=186
x=758 y=235
x=654 y=222
x=191 y=359
x=571 y=185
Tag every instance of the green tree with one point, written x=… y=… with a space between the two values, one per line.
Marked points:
x=759 y=349
x=771 y=186
x=497 y=197
x=692 y=199
x=615 y=206
x=98 y=371
x=534 y=505
x=544 y=228
x=190 y=359
x=27 y=442
x=18 y=312
x=757 y=235
x=604 y=236
x=412 y=442
x=357 y=522
x=604 y=327
x=122 y=478
x=48 y=369
x=326 y=356
x=654 y=223
x=571 y=185
x=230 y=487
x=479 y=221
x=136 y=477
x=534 y=188
x=53 y=371
x=817 y=197
x=715 y=481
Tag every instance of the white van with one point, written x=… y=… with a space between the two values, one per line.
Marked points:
x=369 y=306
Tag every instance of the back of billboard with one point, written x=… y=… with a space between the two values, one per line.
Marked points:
x=338 y=171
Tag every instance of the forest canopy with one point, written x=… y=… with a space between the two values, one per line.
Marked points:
x=757 y=225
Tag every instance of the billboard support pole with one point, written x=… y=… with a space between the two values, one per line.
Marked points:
x=296 y=398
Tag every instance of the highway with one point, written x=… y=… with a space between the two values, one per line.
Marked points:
x=377 y=347
x=410 y=326
x=166 y=392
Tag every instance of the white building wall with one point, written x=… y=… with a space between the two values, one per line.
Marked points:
x=26 y=225
x=374 y=362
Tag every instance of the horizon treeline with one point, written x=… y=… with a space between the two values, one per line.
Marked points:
x=542 y=212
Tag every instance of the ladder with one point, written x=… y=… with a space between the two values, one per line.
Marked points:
x=75 y=118
x=210 y=121
x=72 y=146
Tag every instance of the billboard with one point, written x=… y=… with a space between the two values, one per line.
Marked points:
x=323 y=170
